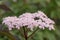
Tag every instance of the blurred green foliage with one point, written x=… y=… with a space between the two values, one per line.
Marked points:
x=50 y=7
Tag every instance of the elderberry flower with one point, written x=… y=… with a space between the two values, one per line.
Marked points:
x=26 y=20
x=11 y=22
x=43 y=21
x=26 y=15
x=30 y=20
x=38 y=19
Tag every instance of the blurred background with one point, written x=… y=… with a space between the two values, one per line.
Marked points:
x=16 y=7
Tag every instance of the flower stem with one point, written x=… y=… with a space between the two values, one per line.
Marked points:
x=25 y=33
x=32 y=33
x=21 y=32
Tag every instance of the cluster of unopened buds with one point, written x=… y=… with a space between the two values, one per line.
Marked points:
x=29 y=20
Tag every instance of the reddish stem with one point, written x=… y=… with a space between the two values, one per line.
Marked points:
x=25 y=33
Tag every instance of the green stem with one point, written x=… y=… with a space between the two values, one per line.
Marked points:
x=32 y=33
x=21 y=32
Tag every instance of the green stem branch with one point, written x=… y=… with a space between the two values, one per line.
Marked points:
x=32 y=33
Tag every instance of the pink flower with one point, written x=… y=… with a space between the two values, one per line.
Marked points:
x=29 y=20
x=11 y=22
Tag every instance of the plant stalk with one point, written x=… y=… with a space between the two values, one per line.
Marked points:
x=25 y=33
x=32 y=33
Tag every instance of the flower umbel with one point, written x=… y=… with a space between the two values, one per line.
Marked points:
x=31 y=20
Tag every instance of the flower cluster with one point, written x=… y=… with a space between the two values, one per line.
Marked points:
x=29 y=20
x=11 y=22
